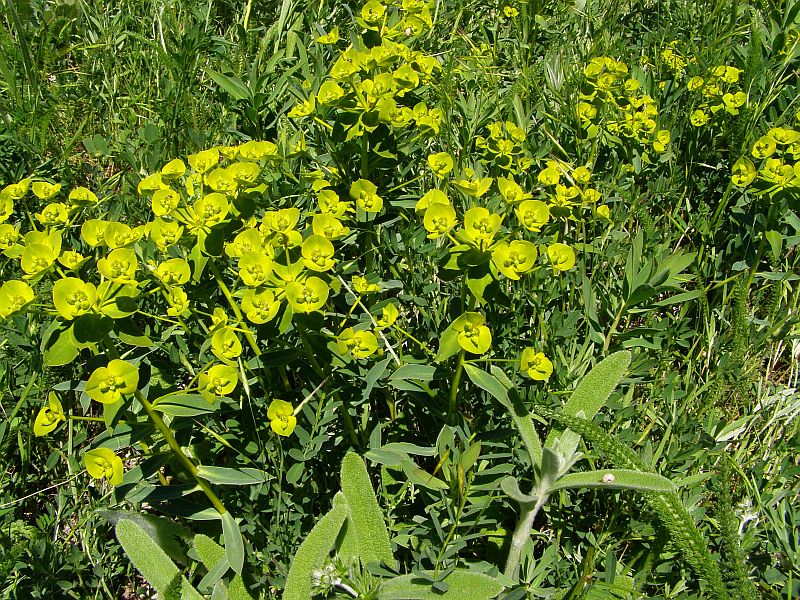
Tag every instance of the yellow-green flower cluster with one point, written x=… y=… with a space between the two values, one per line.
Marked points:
x=614 y=104
x=369 y=87
x=777 y=154
x=503 y=147
x=674 y=59
x=720 y=94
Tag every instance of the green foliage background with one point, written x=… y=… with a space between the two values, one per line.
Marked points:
x=102 y=94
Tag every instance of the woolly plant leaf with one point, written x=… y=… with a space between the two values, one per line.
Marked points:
x=459 y=585
x=170 y=536
x=615 y=479
x=590 y=395
x=314 y=550
x=372 y=537
x=153 y=563
x=211 y=553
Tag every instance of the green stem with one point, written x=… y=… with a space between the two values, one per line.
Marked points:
x=453 y=408
x=248 y=333
x=522 y=534
x=178 y=452
x=614 y=325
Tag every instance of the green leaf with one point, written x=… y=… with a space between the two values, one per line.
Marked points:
x=233 y=85
x=184 y=405
x=314 y=550
x=615 y=479
x=448 y=344
x=499 y=389
x=461 y=585
x=234 y=543
x=365 y=514
x=510 y=486
x=591 y=393
x=169 y=535
x=228 y=476
x=153 y=563
x=60 y=347
x=211 y=553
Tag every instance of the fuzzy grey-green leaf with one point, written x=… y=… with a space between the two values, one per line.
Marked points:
x=615 y=479
x=152 y=562
x=461 y=585
x=365 y=515
x=313 y=551
x=591 y=393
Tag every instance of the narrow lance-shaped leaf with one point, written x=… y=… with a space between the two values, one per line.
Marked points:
x=234 y=544
x=590 y=395
x=365 y=515
x=615 y=479
x=313 y=551
x=460 y=584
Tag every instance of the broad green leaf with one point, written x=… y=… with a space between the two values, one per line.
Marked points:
x=460 y=585
x=365 y=514
x=590 y=395
x=228 y=476
x=211 y=553
x=314 y=550
x=615 y=479
x=234 y=543
x=153 y=563
x=60 y=347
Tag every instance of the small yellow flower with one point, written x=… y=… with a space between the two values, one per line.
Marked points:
x=743 y=172
x=329 y=226
x=204 y=160
x=103 y=463
x=175 y=271
x=515 y=259
x=533 y=214
x=49 y=416
x=225 y=344
x=389 y=314
x=439 y=219
x=365 y=195
x=254 y=268
x=219 y=380
x=281 y=417
x=360 y=344
x=174 y=169
x=54 y=213
x=561 y=256
x=45 y=190
x=119 y=266
x=329 y=38
x=259 y=307
x=536 y=365
x=318 y=253
x=362 y=286
x=429 y=198
x=178 y=301
x=8 y=236
x=307 y=296
x=108 y=384
x=73 y=297
x=604 y=212
x=473 y=335
x=14 y=296
x=511 y=191
x=510 y=12
x=441 y=164
x=699 y=118
x=480 y=227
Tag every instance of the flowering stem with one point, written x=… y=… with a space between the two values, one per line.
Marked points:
x=453 y=409
x=178 y=452
x=248 y=334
